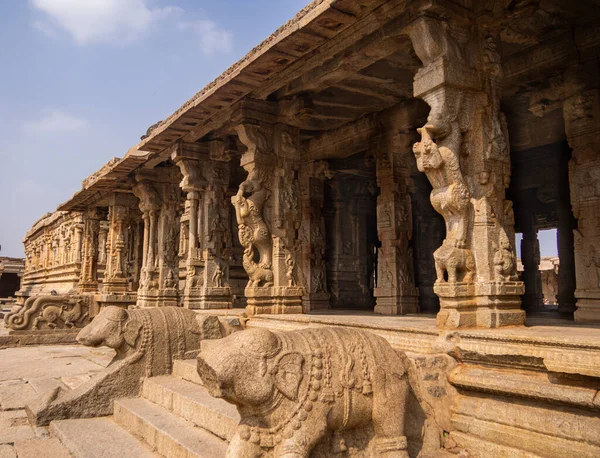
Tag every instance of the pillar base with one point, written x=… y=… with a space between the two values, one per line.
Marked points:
x=118 y=300
x=208 y=298
x=479 y=305
x=315 y=301
x=88 y=287
x=394 y=304
x=115 y=286
x=588 y=307
x=274 y=300
x=158 y=298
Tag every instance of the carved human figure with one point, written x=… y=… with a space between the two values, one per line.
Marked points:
x=218 y=276
x=253 y=231
x=504 y=260
x=290 y=265
x=295 y=389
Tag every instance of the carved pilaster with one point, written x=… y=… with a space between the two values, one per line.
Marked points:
x=464 y=153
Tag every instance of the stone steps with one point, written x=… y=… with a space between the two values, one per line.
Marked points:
x=174 y=417
x=166 y=433
x=186 y=369
x=192 y=403
x=98 y=438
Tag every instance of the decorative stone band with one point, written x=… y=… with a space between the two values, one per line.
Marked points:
x=391 y=444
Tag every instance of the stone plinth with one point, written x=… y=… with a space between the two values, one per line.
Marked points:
x=157 y=298
x=389 y=302
x=274 y=300
x=208 y=298
x=487 y=305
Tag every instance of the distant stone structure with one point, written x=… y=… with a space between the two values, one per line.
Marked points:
x=11 y=273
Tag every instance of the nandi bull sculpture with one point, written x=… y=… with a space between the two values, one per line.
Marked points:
x=295 y=389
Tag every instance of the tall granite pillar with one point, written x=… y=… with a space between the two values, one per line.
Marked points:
x=159 y=201
x=465 y=154
x=582 y=124
x=395 y=292
x=533 y=299
x=206 y=182
x=312 y=234
x=122 y=213
x=268 y=218
x=89 y=266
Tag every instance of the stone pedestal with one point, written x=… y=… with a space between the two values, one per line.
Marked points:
x=483 y=305
x=274 y=300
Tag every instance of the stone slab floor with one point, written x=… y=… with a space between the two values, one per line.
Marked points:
x=27 y=372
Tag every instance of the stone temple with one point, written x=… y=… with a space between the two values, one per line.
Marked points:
x=315 y=255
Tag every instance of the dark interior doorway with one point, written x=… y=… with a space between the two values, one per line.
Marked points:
x=541 y=197
x=351 y=228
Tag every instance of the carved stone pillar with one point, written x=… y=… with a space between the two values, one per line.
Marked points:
x=268 y=218
x=89 y=266
x=533 y=299
x=396 y=293
x=582 y=123
x=206 y=182
x=114 y=278
x=312 y=234
x=464 y=153
x=159 y=201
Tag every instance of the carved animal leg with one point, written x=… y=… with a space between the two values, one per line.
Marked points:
x=439 y=269
x=300 y=445
x=452 y=274
x=239 y=448
x=52 y=325
x=36 y=322
x=69 y=324
x=390 y=396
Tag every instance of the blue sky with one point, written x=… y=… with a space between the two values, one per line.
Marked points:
x=81 y=80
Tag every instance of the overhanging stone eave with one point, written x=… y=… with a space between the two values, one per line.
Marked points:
x=95 y=190
x=205 y=109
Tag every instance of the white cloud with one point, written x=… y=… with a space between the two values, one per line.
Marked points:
x=56 y=121
x=45 y=28
x=212 y=38
x=100 y=21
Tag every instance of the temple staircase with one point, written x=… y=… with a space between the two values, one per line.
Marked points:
x=174 y=417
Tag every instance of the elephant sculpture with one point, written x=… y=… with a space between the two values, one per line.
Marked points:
x=454 y=261
x=294 y=390
x=146 y=341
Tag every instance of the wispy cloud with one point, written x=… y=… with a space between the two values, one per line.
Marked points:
x=212 y=38
x=100 y=21
x=44 y=28
x=55 y=121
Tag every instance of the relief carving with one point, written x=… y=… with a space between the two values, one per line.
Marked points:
x=253 y=232
x=57 y=312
